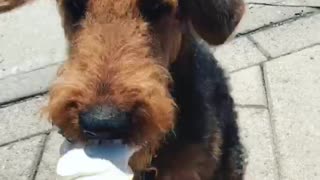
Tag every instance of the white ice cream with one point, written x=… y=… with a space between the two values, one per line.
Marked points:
x=108 y=160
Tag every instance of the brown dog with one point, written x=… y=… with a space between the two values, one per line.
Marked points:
x=120 y=55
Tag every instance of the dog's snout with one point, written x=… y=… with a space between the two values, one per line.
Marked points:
x=104 y=122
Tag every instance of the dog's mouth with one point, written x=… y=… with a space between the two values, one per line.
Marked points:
x=97 y=159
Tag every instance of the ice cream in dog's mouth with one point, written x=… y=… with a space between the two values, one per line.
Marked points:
x=104 y=155
x=95 y=160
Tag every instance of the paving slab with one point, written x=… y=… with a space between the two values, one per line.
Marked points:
x=290 y=37
x=18 y=160
x=300 y=2
x=26 y=84
x=315 y=3
x=247 y=87
x=32 y=42
x=31 y=37
x=258 y=16
x=255 y=133
x=294 y=85
x=47 y=167
x=237 y=54
x=21 y=120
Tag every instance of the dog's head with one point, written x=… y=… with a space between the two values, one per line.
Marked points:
x=115 y=83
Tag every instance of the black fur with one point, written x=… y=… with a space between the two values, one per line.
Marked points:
x=205 y=108
x=76 y=9
x=153 y=10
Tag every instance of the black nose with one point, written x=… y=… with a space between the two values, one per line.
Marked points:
x=105 y=122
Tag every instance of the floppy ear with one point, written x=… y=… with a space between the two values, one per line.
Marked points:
x=7 y=5
x=71 y=12
x=153 y=10
x=213 y=20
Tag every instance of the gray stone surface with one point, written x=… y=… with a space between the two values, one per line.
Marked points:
x=237 y=54
x=294 y=85
x=288 y=2
x=290 y=37
x=31 y=37
x=258 y=16
x=26 y=84
x=300 y=2
x=261 y=1
x=255 y=132
x=18 y=160
x=21 y=120
x=47 y=167
x=247 y=87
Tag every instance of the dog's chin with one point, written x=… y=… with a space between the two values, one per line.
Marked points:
x=96 y=159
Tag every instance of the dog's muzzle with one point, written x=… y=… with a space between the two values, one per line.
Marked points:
x=105 y=122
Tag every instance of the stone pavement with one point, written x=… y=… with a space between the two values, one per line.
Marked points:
x=274 y=69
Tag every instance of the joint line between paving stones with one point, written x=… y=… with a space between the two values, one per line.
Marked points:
x=273 y=132
x=284 y=5
x=251 y=106
x=260 y=48
x=244 y=68
x=273 y=58
x=33 y=70
x=295 y=51
x=278 y=23
x=39 y=156
x=21 y=99
x=25 y=138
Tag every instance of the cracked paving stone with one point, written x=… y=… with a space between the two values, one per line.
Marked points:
x=18 y=160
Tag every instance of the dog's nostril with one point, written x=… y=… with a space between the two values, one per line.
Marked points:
x=104 y=120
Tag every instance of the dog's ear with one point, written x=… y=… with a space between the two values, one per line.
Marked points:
x=213 y=20
x=153 y=10
x=8 y=5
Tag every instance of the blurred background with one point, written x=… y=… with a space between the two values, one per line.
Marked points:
x=273 y=65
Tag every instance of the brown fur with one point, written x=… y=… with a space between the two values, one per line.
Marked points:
x=115 y=59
